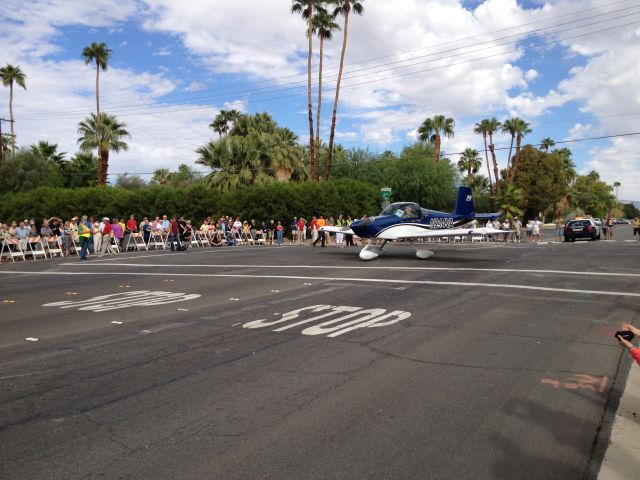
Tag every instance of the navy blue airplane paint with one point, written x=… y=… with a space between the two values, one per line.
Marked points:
x=408 y=221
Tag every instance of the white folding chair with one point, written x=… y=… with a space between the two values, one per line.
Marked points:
x=115 y=244
x=54 y=246
x=35 y=248
x=262 y=238
x=135 y=241
x=11 y=248
x=247 y=238
x=75 y=244
x=204 y=239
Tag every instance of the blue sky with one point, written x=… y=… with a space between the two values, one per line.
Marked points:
x=175 y=65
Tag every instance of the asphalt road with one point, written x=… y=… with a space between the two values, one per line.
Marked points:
x=482 y=362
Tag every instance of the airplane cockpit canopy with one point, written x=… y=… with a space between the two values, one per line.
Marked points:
x=403 y=210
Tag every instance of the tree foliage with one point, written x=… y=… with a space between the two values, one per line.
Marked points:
x=278 y=201
x=591 y=194
x=541 y=177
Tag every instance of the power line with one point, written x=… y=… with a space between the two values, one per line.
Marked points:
x=577 y=140
x=171 y=108
x=350 y=74
x=576 y=12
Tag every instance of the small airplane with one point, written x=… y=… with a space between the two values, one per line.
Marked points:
x=408 y=221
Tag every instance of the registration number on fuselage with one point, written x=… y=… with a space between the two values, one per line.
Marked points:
x=441 y=222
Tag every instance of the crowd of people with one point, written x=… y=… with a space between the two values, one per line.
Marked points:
x=84 y=235
x=101 y=236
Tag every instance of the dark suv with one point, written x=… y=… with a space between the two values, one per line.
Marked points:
x=584 y=228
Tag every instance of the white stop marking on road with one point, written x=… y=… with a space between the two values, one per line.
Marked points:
x=332 y=320
x=114 y=301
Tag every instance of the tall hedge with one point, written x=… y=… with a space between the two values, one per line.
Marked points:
x=278 y=201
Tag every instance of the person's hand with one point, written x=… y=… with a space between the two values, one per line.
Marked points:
x=630 y=328
x=623 y=342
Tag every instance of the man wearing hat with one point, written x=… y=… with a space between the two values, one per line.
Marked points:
x=107 y=232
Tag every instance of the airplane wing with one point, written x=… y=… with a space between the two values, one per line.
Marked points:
x=345 y=230
x=411 y=232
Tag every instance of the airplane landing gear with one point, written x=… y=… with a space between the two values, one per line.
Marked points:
x=421 y=251
x=371 y=251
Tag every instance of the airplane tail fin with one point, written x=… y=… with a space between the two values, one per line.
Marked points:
x=464 y=203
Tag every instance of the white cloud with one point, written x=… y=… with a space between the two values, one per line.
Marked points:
x=162 y=52
x=195 y=86
x=531 y=75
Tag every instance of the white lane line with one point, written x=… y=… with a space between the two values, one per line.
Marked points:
x=343 y=279
x=167 y=254
x=343 y=267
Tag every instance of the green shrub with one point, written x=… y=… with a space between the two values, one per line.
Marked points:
x=278 y=201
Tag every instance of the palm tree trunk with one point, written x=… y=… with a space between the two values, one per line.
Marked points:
x=97 y=89
x=509 y=157
x=310 y=34
x=514 y=168
x=327 y=169
x=436 y=148
x=102 y=175
x=103 y=166
x=486 y=157
x=13 y=137
x=315 y=175
x=496 y=174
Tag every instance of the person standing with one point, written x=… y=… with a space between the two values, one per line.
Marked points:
x=559 y=229
x=339 y=224
x=529 y=231
x=107 y=233
x=174 y=234
x=517 y=225
x=279 y=233
x=610 y=225
x=84 y=235
x=97 y=236
x=313 y=226
x=636 y=227
x=132 y=225
x=348 y=236
x=300 y=228
x=294 y=229
x=536 y=229
x=321 y=233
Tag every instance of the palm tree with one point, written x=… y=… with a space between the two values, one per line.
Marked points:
x=161 y=176
x=522 y=129
x=344 y=8
x=99 y=53
x=617 y=185
x=510 y=126
x=105 y=134
x=220 y=124
x=323 y=26
x=432 y=129
x=482 y=128
x=546 y=144
x=492 y=126
x=469 y=162
x=305 y=9
x=568 y=167
x=10 y=74
x=510 y=200
x=49 y=152
x=285 y=155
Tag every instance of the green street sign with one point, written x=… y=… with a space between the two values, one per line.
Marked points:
x=385 y=193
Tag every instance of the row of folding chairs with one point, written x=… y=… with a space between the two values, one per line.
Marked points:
x=34 y=247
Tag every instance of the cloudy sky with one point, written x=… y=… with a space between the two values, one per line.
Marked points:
x=569 y=67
